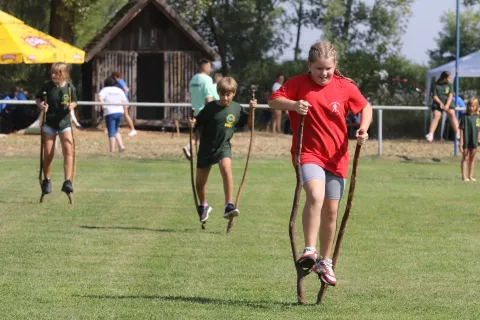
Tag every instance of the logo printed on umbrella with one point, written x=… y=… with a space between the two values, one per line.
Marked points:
x=37 y=41
x=32 y=57
x=6 y=57
x=77 y=57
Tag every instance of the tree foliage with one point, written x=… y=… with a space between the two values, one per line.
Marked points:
x=446 y=41
x=241 y=30
x=354 y=25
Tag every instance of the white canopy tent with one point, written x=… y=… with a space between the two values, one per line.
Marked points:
x=468 y=67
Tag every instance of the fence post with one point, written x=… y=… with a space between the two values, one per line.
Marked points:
x=380 y=129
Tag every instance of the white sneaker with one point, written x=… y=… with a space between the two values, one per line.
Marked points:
x=324 y=269
x=429 y=137
x=186 y=152
x=132 y=133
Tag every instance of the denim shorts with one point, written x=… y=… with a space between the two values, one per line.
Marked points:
x=113 y=121
x=334 y=185
x=49 y=130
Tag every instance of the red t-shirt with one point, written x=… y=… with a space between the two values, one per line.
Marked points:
x=325 y=140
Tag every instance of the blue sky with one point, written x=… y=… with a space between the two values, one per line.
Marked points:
x=423 y=28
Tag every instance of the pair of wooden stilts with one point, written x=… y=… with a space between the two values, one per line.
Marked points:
x=301 y=273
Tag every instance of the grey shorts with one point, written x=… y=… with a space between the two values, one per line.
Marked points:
x=334 y=185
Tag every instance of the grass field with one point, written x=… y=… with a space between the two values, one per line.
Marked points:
x=131 y=247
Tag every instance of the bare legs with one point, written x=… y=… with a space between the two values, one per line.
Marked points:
x=277 y=121
x=225 y=166
x=436 y=118
x=319 y=213
x=468 y=159
x=116 y=139
x=49 y=153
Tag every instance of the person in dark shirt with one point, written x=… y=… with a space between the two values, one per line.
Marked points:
x=61 y=98
x=469 y=132
x=218 y=121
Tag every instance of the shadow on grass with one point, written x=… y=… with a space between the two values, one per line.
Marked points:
x=148 y=229
x=200 y=300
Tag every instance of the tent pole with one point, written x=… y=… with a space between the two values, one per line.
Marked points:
x=457 y=78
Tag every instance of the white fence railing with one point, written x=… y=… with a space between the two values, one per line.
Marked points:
x=260 y=106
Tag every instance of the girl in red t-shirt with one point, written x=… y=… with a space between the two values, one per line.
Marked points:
x=324 y=97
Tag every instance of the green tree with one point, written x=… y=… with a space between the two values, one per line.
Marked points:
x=446 y=41
x=242 y=31
x=354 y=25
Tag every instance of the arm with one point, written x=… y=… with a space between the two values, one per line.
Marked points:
x=100 y=98
x=73 y=97
x=72 y=105
x=281 y=103
x=437 y=100
x=460 y=143
x=449 y=101
x=365 y=121
x=208 y=99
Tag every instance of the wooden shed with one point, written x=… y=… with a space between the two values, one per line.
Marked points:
x=157 y=53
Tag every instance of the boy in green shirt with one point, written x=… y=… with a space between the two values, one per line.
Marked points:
x=218 y=121
x=469 y=136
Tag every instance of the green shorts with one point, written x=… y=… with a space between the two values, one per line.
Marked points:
x=206 y=160
x=436 y=107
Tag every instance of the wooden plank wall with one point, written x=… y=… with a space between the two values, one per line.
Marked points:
x=180 y=67
x=107 y=62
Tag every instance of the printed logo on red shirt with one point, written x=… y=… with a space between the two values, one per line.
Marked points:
x=335 y=106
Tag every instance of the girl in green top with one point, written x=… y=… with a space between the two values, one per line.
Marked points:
x=61 y=98
x=442 y=93
x=469 y=136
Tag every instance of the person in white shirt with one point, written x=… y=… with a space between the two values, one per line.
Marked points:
x=113 y=114
x=277 y=114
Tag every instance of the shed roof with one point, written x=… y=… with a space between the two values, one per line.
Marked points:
x=128 y=12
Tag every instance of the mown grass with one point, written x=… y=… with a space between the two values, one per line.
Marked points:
x=131 y=247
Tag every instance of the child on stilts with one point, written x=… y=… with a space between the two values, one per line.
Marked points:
x=469 y=137
x=324 y=96
x=218 y=121
x=61 y=99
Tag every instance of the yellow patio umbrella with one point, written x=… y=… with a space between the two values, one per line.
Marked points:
x=20 y=43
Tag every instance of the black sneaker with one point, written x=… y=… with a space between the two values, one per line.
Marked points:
x=67 y=186
x=230 y=211
x=203 y=212
x=46 y=186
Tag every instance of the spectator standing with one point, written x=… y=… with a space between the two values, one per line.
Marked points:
x=201 y=93
x=123 y=85
x=277 y=114
x=113 y=114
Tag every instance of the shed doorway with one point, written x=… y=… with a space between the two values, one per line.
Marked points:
x=150 y=85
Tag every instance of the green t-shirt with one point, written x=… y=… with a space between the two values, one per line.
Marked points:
x=58 y=114
x=218 y=125
x=200 y=88
x=470 y=124
x=442 y=91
